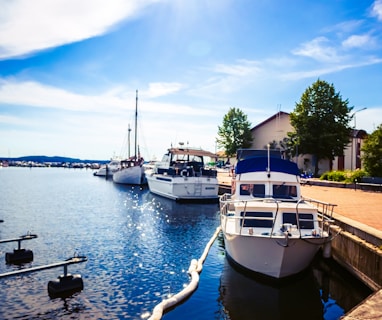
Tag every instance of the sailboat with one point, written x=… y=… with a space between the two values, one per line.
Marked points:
x=131 y=170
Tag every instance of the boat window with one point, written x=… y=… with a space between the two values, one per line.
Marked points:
x=305 y=219
x=259 y=190
x=245 y=189
x=259 y=219
x=284 y=191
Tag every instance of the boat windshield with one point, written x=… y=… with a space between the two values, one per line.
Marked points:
x=279 y=191
x=284 y=191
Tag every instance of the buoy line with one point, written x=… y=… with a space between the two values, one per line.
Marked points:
x=194 y=270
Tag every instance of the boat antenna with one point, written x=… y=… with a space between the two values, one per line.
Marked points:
x=136 y=116
x=269 y=160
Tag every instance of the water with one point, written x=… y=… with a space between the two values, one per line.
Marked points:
x=139 y=248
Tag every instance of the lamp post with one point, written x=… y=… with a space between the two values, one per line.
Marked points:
x=352 y=138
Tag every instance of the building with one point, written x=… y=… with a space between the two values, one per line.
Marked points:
x=276 y=128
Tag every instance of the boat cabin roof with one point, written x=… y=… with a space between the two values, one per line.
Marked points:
x=256 y=164
x=190 y=151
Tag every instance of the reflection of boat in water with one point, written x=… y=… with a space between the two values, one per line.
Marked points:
x=245 y=297
x=268 y=227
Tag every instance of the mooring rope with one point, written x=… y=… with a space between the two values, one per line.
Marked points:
x=194 y=270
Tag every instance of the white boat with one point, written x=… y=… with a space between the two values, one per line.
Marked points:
x=108 y=169
x=131 y=170
x=182 y=175
x=268 y=227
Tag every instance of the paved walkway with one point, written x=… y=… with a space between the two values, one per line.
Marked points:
x=361 y=206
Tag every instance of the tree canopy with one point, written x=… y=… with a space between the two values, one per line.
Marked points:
x=372 y=153
x=321 y=123
x=235 y=132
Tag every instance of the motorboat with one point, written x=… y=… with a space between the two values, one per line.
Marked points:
x=182 y=175
x=131 y=170
x=107 y=170
x=268 y=227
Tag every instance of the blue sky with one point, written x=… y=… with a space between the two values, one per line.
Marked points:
x=69 y=69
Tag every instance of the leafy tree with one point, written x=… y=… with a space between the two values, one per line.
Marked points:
x=285 y=146
x=372 y=153
x=235 y=132
x=321 y=122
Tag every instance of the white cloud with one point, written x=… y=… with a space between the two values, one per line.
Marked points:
x=317 y=49
x=38 y=95
x=359 y=41
x=239 y=69
x=114 y=101
x=157 y=89
x=28 y=26
x=376 y=9
x=328 y=69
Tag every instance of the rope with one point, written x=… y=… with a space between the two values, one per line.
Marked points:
x=194 y=270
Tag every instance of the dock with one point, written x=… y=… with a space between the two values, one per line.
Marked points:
x=358 y=247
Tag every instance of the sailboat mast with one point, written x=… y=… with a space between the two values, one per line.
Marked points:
x=136 y=116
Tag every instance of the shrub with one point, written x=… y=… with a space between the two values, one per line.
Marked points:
x=347 y=176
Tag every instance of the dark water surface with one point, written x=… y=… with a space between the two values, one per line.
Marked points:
x=139 y=248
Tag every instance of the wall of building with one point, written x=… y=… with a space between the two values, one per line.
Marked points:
x=276 y=128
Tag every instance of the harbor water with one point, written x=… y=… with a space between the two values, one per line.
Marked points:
x=139 y=247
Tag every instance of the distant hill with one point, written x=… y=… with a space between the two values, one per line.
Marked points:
x=58 y=159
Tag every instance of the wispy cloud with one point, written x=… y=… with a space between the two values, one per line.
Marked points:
x=158 y=89
x=318 y=49
x=364 y=41
x=376 y=9
x=328 y=69
x=29 y=26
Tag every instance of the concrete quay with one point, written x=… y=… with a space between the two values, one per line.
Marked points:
x=358 y=245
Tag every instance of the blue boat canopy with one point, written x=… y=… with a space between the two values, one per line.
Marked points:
x=256 y=164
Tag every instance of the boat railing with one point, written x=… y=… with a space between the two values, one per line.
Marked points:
x=324 y=213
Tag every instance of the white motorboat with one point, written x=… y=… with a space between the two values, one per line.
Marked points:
x=182 y=175
x=108 y=169
x=268 y=227
x=131 y=170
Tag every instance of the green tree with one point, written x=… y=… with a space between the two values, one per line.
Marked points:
x=235 y=132
x=321 y=123
x=372 y=153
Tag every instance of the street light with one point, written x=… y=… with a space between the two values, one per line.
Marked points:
x=355 y=125
x=352 y=138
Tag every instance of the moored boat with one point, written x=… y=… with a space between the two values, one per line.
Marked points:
x=131 y=170
x=183 y=175
x=107 y=170
x=268 y=227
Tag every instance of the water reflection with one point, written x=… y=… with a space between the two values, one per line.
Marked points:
x=244 y=297
x=324 y=291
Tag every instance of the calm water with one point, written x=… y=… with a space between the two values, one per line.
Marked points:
x=139 y=248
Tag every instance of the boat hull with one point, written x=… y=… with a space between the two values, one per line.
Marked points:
x=184 y=188
x=131 y=175
x=273 y=257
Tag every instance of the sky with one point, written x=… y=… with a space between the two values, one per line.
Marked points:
x=69 y=70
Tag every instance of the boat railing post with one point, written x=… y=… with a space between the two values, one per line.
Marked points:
x=298 y=216
x=274 y=219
